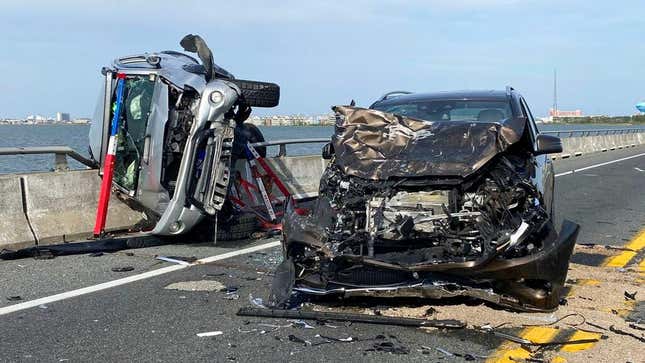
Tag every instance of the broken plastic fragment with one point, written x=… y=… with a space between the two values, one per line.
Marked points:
x=173 y=260
x=257 y=301
x=301 y=324
x=209 y=334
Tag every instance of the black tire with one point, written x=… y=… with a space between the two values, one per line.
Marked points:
x=259 y=94
x=239 y=227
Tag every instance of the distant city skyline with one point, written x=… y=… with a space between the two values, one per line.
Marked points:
x=327 y=53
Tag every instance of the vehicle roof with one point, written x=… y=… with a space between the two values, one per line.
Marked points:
x=450 y=95
x=172 y=66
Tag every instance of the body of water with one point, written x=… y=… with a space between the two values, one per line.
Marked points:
x=76 y=137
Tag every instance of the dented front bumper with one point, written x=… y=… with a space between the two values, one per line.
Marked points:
x=529 y=283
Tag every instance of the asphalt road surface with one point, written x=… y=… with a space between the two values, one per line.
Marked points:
x=75 y=308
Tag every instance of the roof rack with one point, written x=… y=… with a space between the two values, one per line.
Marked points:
x=393 y=93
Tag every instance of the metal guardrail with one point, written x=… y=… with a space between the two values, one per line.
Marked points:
x=572 y=133
x=60 y=155
x=283 y=143
x=62 y=152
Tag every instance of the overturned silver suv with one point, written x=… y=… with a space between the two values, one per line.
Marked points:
x=433 y=195
x=181 y=126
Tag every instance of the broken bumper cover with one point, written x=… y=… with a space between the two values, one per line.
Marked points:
x=530 y=283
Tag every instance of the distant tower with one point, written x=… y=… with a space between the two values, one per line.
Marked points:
x=555 y=92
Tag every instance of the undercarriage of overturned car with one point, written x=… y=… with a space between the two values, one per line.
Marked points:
x=411 y=208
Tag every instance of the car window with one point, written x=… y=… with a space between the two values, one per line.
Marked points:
x=450 y=110
x=527 y=111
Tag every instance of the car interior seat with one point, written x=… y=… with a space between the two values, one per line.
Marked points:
x=490 y=115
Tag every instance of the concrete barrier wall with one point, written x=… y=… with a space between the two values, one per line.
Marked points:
x=15 y=232
x=576 y=146
x=55 y=207
x=62 y=206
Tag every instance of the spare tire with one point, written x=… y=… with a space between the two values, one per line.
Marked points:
x=258 y=94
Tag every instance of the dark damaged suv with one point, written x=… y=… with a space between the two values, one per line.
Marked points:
x=434 y=195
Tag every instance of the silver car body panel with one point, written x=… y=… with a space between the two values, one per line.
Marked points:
x=169 y=69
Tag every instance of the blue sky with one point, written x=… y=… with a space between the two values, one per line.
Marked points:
x=327 y=52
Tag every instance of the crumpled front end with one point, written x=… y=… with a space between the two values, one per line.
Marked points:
x=488 y=235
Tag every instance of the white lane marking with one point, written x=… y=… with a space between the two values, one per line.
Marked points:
x=126 y=280
x=639 y=169
x=598 y=165
x=226 y=255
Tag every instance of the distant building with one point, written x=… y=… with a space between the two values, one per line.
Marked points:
x=561 y=113
x=62 y=117
x=81 y=121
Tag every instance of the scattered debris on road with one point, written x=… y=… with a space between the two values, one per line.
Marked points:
x=93 y=248
x=357 y=318
x=14 y=298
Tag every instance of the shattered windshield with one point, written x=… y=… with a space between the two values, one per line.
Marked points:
x=449 y=110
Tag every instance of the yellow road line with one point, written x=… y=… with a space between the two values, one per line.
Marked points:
x=622 y=259
x=537 y=334
x=579 y=335
x=581 y=282
x=588 y=282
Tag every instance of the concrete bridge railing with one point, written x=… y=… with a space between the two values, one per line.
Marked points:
x=580 y=145
x=55 y=207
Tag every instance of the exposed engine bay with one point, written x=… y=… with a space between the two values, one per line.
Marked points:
x=401 y=221
x=484 y=232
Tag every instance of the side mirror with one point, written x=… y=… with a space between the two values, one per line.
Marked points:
x=328 y=151
x=547 y=144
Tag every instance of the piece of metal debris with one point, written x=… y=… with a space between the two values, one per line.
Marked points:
x=301 y=324
x=636 y=326
x=295 y=339
x=341 y=340
x=177 y=260
x=527 y=342
x=122 y=269
x=392 y=345
x=613 y=329
x=630 y=295
x=357 y=318
x=210 y=334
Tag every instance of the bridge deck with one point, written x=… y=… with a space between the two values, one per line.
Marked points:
x=145 y=320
